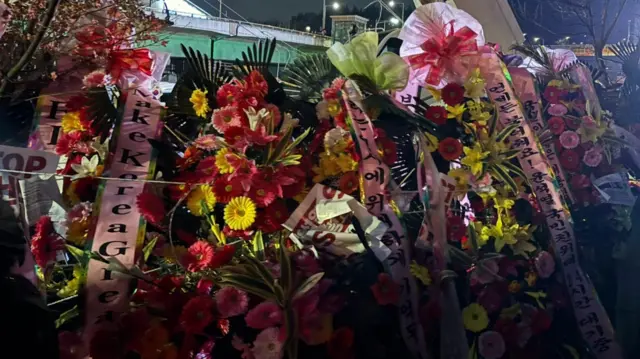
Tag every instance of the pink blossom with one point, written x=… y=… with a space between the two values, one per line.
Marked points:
x=593 y=157
x=557 y=109
x=491 y=345
x=206 y=142
x=231 y=302
x=226 y=117
x=545 y=264
x=267 y=345
x=245 y=349
x=264 y=315
x=569 y=140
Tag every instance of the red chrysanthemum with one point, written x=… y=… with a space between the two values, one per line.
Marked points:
x=255 y=81
x=262 y=192
x=271 y=219
x=225 y=189
x=45 y=242
x=228 y=93
x=349 y=182
x=452 y=94
x=197 y=314
x=225 y=118
x=450 y=149
x=554 y=94
x=199 y=256
x=556 y=125
x=456 y=228
x=151 y=207
x=234 y=136
x=437 y=114
x=389 y=150
x=68 y=142
x=570 y=160
x=385 y=290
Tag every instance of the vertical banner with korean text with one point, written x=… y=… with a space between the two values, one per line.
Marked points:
x=119 y=220
x=591 y=318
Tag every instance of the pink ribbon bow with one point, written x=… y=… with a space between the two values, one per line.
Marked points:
x=444 y=52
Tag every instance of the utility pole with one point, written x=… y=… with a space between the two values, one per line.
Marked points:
x=220 y=12
x=324 y=15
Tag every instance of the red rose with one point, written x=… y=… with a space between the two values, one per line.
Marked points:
x=556 y=125
x=452 y=94
x=570 y=160
x=450 y=149
x=437 y=114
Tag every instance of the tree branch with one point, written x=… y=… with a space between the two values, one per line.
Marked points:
x=26 y=57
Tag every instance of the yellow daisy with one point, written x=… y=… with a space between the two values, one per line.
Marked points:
x=475 y=318
x=240 y=213
x=200 y=103
x=71 y=122
x=201 y=200
x=223 y=165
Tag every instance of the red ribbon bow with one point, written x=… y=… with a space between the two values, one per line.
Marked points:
x=134 y=60
x=444 y=51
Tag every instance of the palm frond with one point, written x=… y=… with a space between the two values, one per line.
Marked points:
x=103 y=110
x=308 y=76
x=255 y=58
x=204 y=73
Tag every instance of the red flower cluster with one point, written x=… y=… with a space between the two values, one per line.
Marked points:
x=45 y=242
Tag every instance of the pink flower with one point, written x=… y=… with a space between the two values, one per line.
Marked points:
x=593 y=157
x=226 y=117
x=491 y=345
x=557 y=109
x=556 y=125
x=206 y=142
x=264 y=315
x=385 y=290
x=231 y=302
x=485 y=274
x=569 y=140
x=267 y=345
x=545 y=264
x=95 y=79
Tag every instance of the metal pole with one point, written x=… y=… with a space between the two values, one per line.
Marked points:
x=403 y=13
x=220 y=12
x=324 y=16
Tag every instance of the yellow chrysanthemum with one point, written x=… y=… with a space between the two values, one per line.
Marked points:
x=71 y=122
x=346 y=163
x=475 y=318
x=432 y=142
x=200 y=103
x=72 y=286
x=223 y=165
x=474 y=86
x=201 y=200
x=240 y=213
x=77 y=232
x=456 y=111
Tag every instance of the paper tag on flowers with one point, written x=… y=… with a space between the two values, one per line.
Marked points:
x=614 y=189
x=323 y=219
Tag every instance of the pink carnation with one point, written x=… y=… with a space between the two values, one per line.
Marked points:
x=267 y=345
x=569 y=140
x=264 y=315
x=206 y=142
x=545 y=264
x=491 y=345
x=593 y=157
x=226 y=117
x=557 y=109
x=231 y=302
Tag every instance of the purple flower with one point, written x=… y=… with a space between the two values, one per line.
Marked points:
x=491 y=345
x=545 y=264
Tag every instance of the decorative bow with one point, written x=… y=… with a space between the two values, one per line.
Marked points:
x=444 y=52
x=138 y=60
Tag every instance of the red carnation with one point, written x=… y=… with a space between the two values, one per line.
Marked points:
x=151 y=207
x=437 y=114
x=197 y=314
x=452 y=94
x=570 y=160
x=349 y=182
x=200 y=256
x=385 y=290
x=450 y=149
x=45 y=242
x=556 y=125
x=456 y=228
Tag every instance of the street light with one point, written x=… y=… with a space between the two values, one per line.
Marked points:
x=335 y=6
x=308 y=28
x=394 y=21
x=536 y=39
x=393 y=3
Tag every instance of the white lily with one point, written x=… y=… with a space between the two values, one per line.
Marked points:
x=86 y=168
